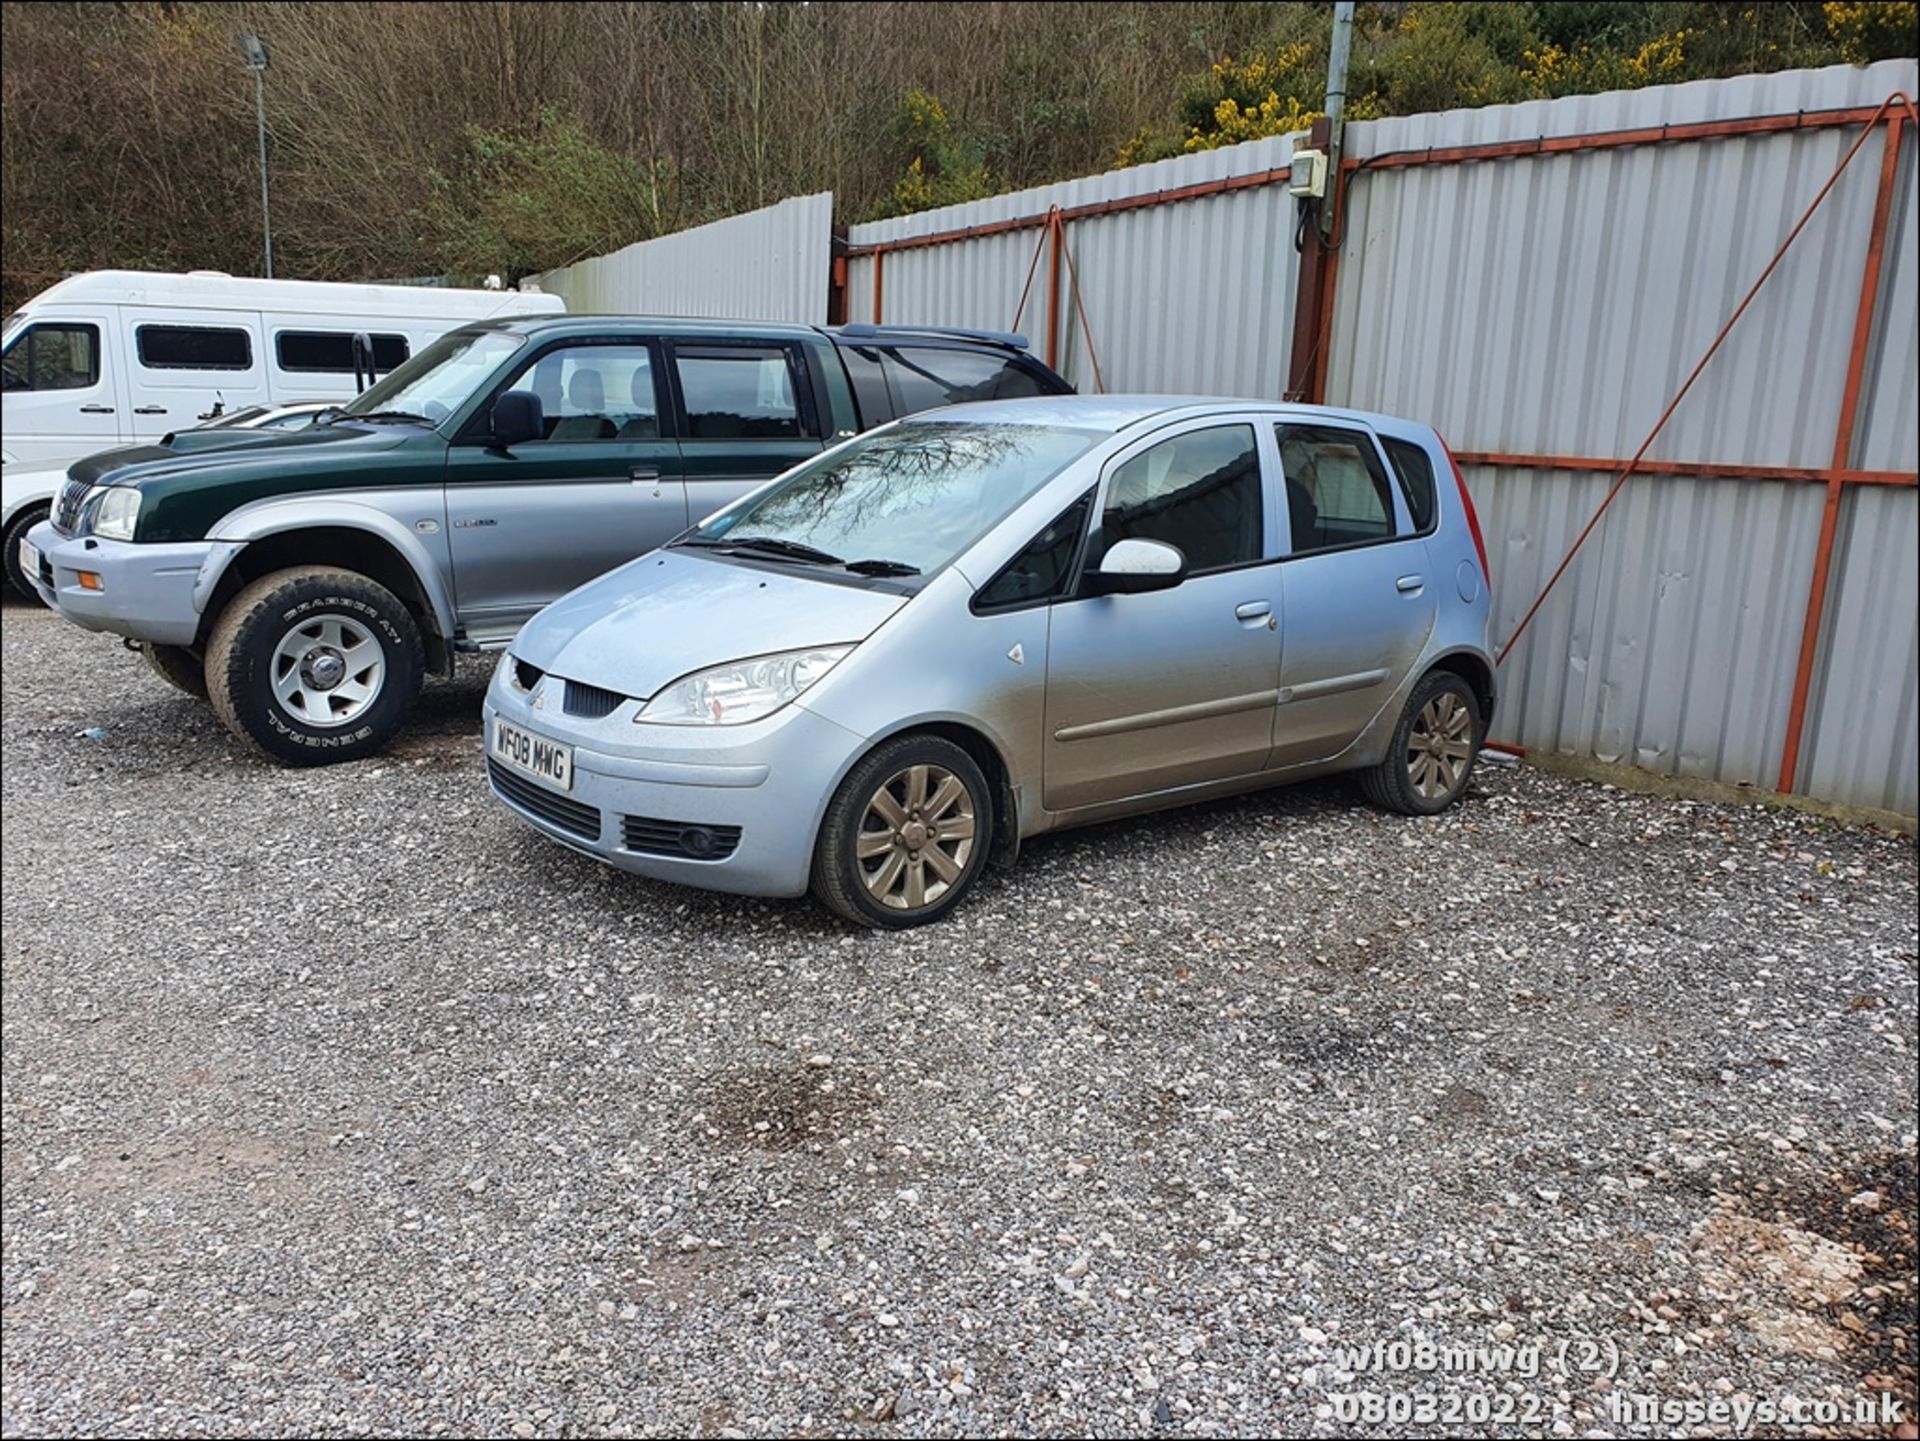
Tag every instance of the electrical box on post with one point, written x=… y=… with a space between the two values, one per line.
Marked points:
x=1309 y=177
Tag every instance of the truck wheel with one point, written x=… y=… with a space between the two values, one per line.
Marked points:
x=178 y=667
x=17 y=532
x=313 y=666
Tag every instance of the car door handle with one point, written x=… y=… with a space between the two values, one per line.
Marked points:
x=1410 y=584
x=1253 y=609
x=96 y=410
x=149 y=410
x=640 y=474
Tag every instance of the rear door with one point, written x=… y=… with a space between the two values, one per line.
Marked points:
x=1359 y=596
x=527 y=525
x=749 y=409
x=61 y=400
x=186 y=366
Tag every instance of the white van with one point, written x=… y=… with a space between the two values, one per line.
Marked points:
x=114 y=357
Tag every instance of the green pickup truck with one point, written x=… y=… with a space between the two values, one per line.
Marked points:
x=305 y=581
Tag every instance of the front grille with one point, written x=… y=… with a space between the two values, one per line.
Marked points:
x=550 y=806
x=691 y=840
x=66 y=509
x=590 y=702
x=526 y=676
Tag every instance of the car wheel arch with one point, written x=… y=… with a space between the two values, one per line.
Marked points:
x=986 y=753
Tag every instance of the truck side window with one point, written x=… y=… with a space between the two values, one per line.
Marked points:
x=869 y=385
x=595 y=392
x=54 y=357
x=744 y=392
x=927 y=377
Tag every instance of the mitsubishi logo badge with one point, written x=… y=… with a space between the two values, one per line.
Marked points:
x=1017 y=655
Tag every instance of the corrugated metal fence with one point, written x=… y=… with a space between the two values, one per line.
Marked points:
x=768 y=264
x=1536 y=280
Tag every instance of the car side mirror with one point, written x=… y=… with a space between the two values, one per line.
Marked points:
x=1133 y=566
x=517 y=418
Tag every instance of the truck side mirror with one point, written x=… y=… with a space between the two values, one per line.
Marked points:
x=517 y=418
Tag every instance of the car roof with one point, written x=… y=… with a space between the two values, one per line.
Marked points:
x=572 y=324
x=1115 y=413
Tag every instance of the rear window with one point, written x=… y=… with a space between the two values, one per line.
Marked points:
x=193 y=347
x=741 y=393
x=930 y=376
x=330 y=352
x=1414 y=468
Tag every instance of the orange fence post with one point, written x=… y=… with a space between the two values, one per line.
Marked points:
x=1842 y=452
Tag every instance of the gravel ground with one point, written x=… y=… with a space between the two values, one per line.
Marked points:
x=336 y=1102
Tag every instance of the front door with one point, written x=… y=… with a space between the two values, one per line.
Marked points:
x=527 y=525
x=1172 y=688
x=1359 y=592
x=749 y=412
x=60 y=394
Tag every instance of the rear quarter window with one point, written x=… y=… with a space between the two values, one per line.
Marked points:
x=926 y=377
x=1413 y=468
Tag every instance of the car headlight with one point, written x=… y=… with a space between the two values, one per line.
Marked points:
x=741 y=691
x=115 y=508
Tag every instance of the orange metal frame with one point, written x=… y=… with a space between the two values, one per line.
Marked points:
x=1318 y=288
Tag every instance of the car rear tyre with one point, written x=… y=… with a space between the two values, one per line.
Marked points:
x=178 y=667
x=906 y=835
x=314 y=666
x=16 y=532
x=1434 y=748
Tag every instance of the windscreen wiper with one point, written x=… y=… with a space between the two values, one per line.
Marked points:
x=881 y=567
x=404 y=416
x=767 y=545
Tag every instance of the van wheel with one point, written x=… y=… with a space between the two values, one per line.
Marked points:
x=178 y=667
x=1434 y=747
x=906 y=835
x=313 y=666
x=17 y=532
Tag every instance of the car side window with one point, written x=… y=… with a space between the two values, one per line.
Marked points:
x=924 y=377
x=54 y=357
x=1337 y=491
x=1044 y=566
x=741 y=392
x=1198 y=492
x=595 y=392
x=1414 y=468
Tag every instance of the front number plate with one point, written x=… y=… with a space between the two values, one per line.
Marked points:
x=29 y=560
x=544 y=760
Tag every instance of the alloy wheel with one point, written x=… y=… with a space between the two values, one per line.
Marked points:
x=1440 y=747
x=326 y=672
x=916 y=837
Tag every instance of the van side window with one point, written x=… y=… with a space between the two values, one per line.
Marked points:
x=1337 y=490
x=743 y=392
x=54 y=357
x=193 y=347
x=1199 y=492
x=1042 y=569
x=1414 y=467
x=927 y=377
x=595 y=392
x=330 y=352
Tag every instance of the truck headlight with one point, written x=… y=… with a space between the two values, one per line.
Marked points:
x=742 y=690
x=115 y=508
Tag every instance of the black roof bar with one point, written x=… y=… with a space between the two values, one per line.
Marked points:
x=862 y=331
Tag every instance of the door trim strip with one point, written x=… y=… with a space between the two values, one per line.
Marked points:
x=1332 y=685
x=1173 y=715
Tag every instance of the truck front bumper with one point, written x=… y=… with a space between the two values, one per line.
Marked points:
x=149 y=592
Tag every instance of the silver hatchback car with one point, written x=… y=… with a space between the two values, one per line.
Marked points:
x=913 y=652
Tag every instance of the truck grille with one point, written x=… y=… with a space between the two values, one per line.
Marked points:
x=550 y=806
x=690 y=840
x=66 y=508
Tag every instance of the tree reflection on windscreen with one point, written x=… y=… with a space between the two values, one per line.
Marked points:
x=918 y=494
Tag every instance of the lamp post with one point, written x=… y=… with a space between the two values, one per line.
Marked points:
x=256 y=55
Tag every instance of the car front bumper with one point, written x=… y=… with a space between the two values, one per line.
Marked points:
x=756 y=791
x=149 y=592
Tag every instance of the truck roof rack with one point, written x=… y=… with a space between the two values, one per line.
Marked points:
x=863 y=331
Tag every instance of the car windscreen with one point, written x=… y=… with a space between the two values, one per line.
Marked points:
x=912 y=496
x=436 y=381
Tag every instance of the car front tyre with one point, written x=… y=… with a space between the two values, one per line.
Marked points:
x=314 y=666
x=178 y=667
x=906 y=835
x=1434 y=748
x=16 y=532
